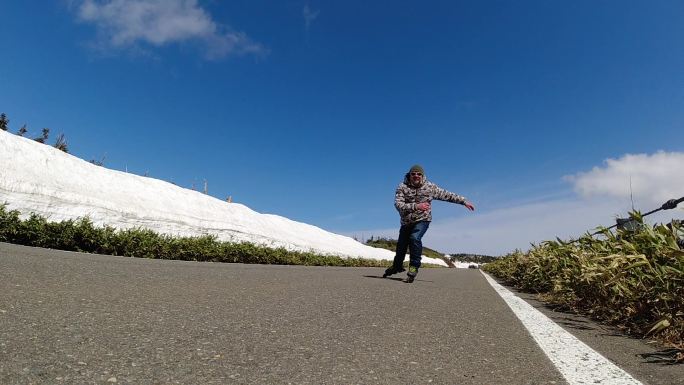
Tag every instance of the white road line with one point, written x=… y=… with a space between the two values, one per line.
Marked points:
x=577 y=362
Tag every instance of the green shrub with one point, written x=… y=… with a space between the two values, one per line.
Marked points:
x=10 y=225
x=83 y=236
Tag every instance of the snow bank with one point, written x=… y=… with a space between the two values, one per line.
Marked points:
x=37 y=178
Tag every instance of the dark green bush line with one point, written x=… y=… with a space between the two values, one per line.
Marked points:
x=634 y=280
x=82 y=236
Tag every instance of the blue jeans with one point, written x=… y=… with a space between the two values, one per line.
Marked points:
x=410 y=239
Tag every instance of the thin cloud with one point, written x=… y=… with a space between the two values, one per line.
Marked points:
x=502 y=231
x=309 y=16
x=138 y=24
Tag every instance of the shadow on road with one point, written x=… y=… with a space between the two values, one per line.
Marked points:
x=574 y=323
x=381 y=277
x=664 y=357
x=396 y=278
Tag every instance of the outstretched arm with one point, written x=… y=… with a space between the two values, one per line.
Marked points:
x=444 y=195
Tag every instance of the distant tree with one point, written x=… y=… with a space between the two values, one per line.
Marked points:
x=44 y=137
x=3 y=122
x=61 y=143
x=99 y=162
x=23 y=130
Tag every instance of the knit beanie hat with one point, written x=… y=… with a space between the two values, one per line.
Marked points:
x=417 y=168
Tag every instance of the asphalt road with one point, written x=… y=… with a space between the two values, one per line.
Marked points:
x=71 y=318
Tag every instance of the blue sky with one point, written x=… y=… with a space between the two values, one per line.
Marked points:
x=314 y=110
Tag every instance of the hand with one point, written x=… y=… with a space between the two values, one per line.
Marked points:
x=469 y=206
x=425 y=206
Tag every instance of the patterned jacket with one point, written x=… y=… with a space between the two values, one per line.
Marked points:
x=407 y=197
